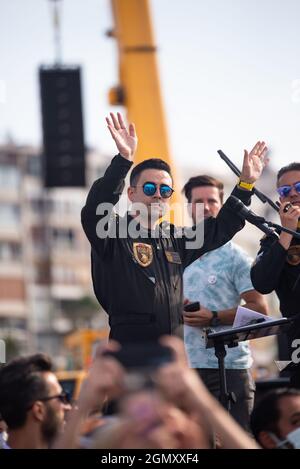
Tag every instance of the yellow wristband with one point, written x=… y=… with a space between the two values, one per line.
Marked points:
x=246 y=185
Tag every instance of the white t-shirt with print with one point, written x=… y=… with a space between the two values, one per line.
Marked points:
x=217 y=280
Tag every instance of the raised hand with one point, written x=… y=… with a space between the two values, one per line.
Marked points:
x=254 y=163
x=105 y=378
x=126 y=140
x=177 y=381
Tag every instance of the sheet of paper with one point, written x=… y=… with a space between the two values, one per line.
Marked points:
x=245 y=316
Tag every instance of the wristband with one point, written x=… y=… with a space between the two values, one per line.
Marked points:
x=246 y=185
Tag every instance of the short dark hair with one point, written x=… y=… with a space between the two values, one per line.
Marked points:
x=151 y=163
x=21 y=384
x=201 y=181
x=290 y=167
x=266 y=414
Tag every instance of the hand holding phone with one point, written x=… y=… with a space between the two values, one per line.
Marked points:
x=143 y=355
x=190 y=307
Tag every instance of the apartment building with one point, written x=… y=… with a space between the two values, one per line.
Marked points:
x=44 y=254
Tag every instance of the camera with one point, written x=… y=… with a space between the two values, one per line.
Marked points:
x=142 y=356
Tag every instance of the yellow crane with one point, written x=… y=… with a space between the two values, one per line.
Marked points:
x=80 y=345
x=82 y=342
x=139 y=89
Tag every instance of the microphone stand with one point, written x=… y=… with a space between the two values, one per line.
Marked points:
x=264 y=199
x=258 y=221
x=295 y=234
x=265 y=225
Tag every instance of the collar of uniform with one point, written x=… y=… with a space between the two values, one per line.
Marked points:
x=144 y=232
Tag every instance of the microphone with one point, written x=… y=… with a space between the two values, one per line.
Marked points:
x=237 y=206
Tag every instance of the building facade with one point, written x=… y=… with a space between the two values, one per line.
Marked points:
x=44 y=254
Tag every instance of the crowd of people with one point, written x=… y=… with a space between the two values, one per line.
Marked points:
x=165 y=407
x=144 y=273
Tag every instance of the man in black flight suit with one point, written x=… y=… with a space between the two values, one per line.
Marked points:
x=277 y=266
x=137 y=278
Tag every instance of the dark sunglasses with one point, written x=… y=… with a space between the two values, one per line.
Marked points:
x=284 y=191
x=63 y=397
x=149 y=189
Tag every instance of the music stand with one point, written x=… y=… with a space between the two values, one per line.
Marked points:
x=231 y=338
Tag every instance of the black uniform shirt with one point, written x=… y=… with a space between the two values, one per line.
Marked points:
x=144 y=299
x=271 y=271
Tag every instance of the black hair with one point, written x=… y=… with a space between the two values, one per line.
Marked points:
x=290 y=167
x=21 y=384
x=151 y=163
x=266 y=413
x=201 y=181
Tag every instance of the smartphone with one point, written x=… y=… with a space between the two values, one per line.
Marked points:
x=143 y=356
x=190 y=307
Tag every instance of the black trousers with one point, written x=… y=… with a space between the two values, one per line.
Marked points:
x=238 y=381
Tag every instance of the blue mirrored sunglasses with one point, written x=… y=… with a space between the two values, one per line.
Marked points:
x=284 y=191
x=149 y=189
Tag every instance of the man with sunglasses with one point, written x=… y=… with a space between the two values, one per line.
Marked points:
x=277 y=266
x=32 y=403
x=219 y=280
x=137 y=277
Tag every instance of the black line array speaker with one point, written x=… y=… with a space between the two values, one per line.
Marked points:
x=62 y=122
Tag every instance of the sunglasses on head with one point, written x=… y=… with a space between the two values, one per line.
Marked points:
x=284 y=191
x=149 y=189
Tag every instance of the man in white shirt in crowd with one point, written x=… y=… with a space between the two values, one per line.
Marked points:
x=219 y=280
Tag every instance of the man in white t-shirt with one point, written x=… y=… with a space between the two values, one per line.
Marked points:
x=219 y=280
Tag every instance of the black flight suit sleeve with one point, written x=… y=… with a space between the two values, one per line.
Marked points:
x=107 y=189
x=217 y=231
x=268 y=265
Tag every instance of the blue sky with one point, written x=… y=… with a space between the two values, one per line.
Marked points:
x=227 y=70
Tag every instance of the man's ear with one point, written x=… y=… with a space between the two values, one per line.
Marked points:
x=189 y=209
x=38 y=411
x=266 y=440
x=130 y=192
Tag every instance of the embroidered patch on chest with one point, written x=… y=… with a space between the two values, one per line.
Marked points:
x=143 y=254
